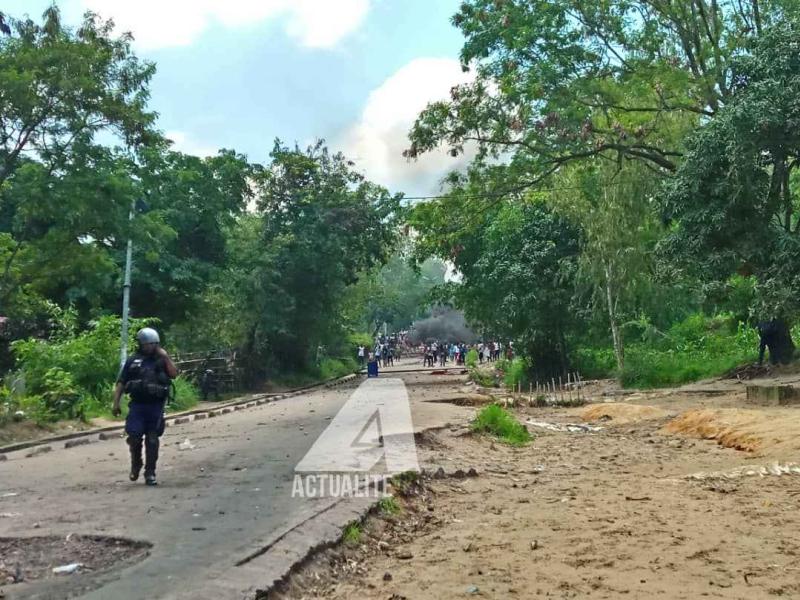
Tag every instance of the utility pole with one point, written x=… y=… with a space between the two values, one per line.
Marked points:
x=126 y=293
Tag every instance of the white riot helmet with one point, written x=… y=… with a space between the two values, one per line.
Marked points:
x=147 y=335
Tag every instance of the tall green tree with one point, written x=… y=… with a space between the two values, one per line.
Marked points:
x=63 y=195
x=58 y=228
x=180 y=238
x=397 y=294
x=61 y=85
x=734 y=203
x=517 y=261
x=616 y=211
x=323 y=225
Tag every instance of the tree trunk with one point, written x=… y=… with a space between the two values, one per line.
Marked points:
x=619 y=350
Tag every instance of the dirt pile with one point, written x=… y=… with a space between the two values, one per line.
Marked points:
x=774 y=432
x=621 y=413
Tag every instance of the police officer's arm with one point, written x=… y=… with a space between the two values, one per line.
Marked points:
x=169 y=366
x=119 y=388
x=115 y=409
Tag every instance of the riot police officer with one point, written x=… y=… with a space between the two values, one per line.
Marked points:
x=146 y=378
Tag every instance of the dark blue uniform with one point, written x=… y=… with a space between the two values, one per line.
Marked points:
x=145 y=380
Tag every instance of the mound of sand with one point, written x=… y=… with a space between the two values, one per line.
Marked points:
x=775 y=431
x=620 y=412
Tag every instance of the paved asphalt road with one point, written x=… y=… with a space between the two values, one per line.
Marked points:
x=217 y=503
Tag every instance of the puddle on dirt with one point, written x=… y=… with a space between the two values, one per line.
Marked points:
x=28 y=559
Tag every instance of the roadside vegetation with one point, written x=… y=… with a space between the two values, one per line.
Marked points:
x=352 y=533
x=497 y=422
x=389 y=506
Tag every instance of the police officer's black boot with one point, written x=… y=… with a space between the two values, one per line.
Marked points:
x=151 y=458
x=135 y=445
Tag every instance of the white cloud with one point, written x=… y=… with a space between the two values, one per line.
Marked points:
x=167 y=23
x=322 y=23
x=188 y=145
x=377 y=141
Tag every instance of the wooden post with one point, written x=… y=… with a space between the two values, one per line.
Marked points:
x=569 y=387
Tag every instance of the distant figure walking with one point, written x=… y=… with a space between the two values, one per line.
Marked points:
x=361 y=356
x=776 y=336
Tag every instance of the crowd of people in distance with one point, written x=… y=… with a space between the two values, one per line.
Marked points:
x=386 y=349
x=442 y=352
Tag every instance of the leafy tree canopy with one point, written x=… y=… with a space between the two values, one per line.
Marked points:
x=562 y=80
x=734 y=203
x=60 y=86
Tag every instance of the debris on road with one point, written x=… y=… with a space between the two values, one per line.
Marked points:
x=78 y=442
x=38 y=451
x=32 y=558
x=67 y=569
x=186 y=444
x=570 y=427
x=775 y=469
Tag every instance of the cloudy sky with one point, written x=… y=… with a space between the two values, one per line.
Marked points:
x=239 y=73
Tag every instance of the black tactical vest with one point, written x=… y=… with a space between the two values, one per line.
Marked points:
x=147 y=380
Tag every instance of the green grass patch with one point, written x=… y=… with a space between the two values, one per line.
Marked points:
x=595 y=363
x=186 y=395
x=494 y=420
x=404 y=482
x=352 y=533
x=388 y=505
x=331 y=368
x=483 y=377
x=515 y=373
x=698 y=347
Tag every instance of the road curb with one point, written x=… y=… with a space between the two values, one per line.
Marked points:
x=332 y=535
x=105 y=433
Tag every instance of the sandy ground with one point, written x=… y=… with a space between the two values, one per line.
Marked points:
x=657 y=503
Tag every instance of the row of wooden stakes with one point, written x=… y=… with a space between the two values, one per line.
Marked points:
x=556 y=390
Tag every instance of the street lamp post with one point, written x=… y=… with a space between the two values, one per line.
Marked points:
x=126 y=293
